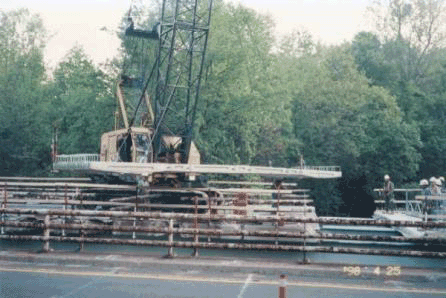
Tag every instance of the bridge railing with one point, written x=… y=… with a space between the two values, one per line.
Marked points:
x=74 y=161
x=404 y=200
x=409 y=201
x=200 y=230
x=321 y=168
x=79 y=162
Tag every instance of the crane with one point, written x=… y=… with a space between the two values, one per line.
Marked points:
x=160 y=128
x=153 y=135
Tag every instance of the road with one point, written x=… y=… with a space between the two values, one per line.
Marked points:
x=68 y=274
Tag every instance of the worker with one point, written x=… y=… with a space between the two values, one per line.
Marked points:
x=437 y=203
x=426 y=192
x=277 y=186
x=434 y=189
x=424 y=184
x=443 y=185
x=388 y=194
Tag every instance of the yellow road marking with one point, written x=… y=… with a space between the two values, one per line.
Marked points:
x=222 y=280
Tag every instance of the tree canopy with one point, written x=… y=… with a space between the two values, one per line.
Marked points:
x=374 y=106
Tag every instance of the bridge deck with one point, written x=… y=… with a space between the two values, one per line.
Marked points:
x=88 y=164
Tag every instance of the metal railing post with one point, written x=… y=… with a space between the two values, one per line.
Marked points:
x=3 y=220
x=282 y=286
x=46 y=234
x=134 y=225
x=407 y=201
x=195 y=253
x=210 y=215
x=81 y=232
x=278 y=223
x=305 y=260
x=5 y=199
x=4 y=204
x=64 y=220
x=135 y=209
x=170 y=252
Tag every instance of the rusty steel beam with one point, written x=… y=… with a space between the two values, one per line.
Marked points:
x=282 y=201
x=431 y=198
x=121 y=202
x=221 y=233
x=46 y=179
x=256 y=191
x=68 y=202
x=155 y=215
x=61 y=185
x=255 y=183
x=31 y=195
x=157 y=192
x=228 y=217
x=243 y=246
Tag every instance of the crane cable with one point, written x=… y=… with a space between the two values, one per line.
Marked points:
x=124 y=70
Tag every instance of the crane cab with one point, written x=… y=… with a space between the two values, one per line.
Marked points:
x=122 y=146
x=136 y=146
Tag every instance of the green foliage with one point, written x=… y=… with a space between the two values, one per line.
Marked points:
x=341 y=120
x=82 y=103
x=24 y=107
x=374 y=107
x=239 y=107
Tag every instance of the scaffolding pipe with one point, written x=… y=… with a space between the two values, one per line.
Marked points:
x=243 y=246
x=222 y=233
x=228 y=217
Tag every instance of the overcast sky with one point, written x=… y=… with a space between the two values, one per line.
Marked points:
x=80 y=21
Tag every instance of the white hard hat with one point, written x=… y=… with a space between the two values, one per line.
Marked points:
x=432 y=179
x=441 y=179
x=386 y=177
x=438 y=182
x=424 y=182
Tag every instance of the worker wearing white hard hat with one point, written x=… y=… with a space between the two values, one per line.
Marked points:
x=424 y=182
x=443 y=184
x=437 y=204
x=425 y=190
x=434 y=187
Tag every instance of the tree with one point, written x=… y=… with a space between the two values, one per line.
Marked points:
x=24 y=129
x=240 y=108
x=82 y=104
x=417 y=25
x=341 y=120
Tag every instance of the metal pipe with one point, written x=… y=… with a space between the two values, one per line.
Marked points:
x=221 y=233
x=46 y=235
x=170 y=252
x=160 y=206
x=282 y=286
x=4 y=206
x=51 y=185
x=196 y=237
x=5 y=199
x=228 y=217
x=245 y=246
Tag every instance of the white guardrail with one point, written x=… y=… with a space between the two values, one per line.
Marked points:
x=91 y=162
x=74 y=161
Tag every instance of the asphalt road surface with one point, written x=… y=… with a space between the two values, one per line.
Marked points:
x=66 y=274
